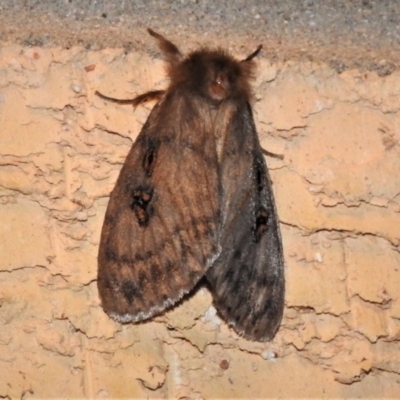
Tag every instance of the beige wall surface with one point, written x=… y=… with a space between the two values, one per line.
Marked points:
x=338 y=198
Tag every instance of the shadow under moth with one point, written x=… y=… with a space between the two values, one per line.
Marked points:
x=194 y=200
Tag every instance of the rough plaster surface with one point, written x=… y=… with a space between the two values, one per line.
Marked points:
x=338 y=198
x=345 y=34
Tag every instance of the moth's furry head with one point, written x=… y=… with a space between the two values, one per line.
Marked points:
x=213 y=74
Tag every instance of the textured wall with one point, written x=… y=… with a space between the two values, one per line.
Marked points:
x=338 y=198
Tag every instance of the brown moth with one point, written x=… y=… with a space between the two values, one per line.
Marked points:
x=194 y=200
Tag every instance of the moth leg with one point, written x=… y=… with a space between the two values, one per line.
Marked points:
x=273 y=155
x=150 y=95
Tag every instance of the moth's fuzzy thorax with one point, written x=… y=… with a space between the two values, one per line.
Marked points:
x=213 y=74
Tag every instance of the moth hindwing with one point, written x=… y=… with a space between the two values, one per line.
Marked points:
x=194 y=200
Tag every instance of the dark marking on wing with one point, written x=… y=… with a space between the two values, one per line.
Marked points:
x=130 y=291
x=261 y=225
x=149 y=160
x=141 y=198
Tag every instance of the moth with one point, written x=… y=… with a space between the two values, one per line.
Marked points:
x=194 y=201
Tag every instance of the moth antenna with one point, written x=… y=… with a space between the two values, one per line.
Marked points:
x=170 y=51
x=252 y=55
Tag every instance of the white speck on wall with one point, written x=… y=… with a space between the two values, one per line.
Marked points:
x=318 y=257
x=211 y=317
x=76 y=88
x=175 y=369
x=268 y=355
